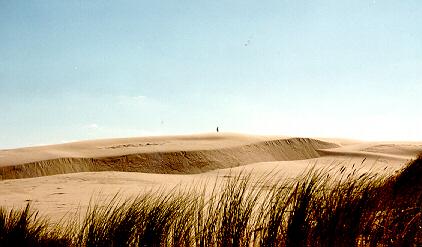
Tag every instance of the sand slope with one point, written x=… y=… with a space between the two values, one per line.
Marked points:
x=85 y=169
x=171 y=155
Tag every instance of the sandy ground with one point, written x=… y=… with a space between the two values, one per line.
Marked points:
x=122 y=146
x=63 y=191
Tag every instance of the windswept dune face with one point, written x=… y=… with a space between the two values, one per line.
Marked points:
x=172 y=155
x=61 y=179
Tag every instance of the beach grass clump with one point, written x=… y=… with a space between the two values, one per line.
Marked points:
x=24 y=227
x=318 y=208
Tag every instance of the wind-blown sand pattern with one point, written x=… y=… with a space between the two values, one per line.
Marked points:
x=60 y=179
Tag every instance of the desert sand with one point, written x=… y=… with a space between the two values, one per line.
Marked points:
x=61 y=180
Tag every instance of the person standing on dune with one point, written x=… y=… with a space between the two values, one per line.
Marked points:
x=217 y=129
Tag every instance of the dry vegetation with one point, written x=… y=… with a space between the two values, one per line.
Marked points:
x=317 y=209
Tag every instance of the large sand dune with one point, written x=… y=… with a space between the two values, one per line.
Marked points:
x=181 y=155
x=60 y=179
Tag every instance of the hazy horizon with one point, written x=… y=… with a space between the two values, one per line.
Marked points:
x=78 y=70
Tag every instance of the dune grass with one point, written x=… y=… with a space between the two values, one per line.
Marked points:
x=316 y=209
x=25 y=228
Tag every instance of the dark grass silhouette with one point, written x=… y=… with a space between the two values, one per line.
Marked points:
x=25 y=228
x=317 y=209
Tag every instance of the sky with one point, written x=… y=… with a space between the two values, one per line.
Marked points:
x=77 y=70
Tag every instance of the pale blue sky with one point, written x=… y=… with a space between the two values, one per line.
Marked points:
x=72 y=70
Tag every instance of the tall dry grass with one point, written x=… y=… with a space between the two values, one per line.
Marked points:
x=319 y=208
x=24 y=228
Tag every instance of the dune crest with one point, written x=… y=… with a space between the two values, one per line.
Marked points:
x=186 y=160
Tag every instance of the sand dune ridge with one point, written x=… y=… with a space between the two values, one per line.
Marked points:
x=174 y=162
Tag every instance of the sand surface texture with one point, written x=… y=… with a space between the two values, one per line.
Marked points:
x=60 y=180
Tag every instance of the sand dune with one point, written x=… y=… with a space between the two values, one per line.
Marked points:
x=179 y=155
x=132 y=165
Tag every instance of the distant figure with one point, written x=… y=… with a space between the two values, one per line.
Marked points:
x=217 y=129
